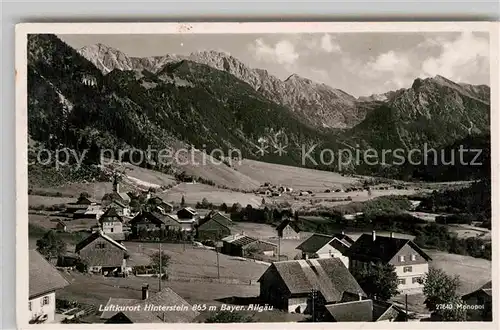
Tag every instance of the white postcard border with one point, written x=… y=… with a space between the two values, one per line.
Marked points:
x=21 y=176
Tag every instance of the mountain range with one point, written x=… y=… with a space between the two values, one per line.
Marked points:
x=98 y=97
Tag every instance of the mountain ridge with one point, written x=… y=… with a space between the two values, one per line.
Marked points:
x=73 y=103
x=318 y=104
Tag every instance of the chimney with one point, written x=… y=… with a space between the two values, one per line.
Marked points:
x=360 y=296
x=374 y=235
x=392 y=234
x=145 y=291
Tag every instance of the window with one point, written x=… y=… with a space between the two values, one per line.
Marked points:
x=413 y=257
x=29 y=305
x=407 y=269
x=401 y=281
x=45 y=300
x=416 y=280
x=401 y=258
x=100 y=245
x=111 y=229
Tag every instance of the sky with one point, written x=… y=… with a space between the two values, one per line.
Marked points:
x=360 y=64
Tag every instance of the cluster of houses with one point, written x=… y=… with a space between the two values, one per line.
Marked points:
x=319 y=282
x=410 y=261
x=270 y=190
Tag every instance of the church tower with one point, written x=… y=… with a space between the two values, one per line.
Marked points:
x=116 y=184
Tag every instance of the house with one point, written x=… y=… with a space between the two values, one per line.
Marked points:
x=174 y=223
x=325 y=246
x=163 y=206
x=363 y=310
x=187 y=213
x=480 y=297
x=44 y=281
x=151 y=221
x=61 y=226
x=410 y=261
x=214 y=226
x=288 y=229
x=111 y=224
x=288 y=284
x=120 y=207
x=116 y=194
x=93 y=211
x=102 y=254
x=152 y=308
x=414 y=204
x=244 y=246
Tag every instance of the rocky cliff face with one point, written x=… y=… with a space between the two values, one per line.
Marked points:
x=434 y=111
x=317 y=104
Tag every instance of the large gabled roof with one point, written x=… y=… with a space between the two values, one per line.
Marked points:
x=351 y=311
x=110 y=216
x=314 y=243
x=165 y=297
x=486 y=289
x=382 y=249
x=43 y=277
x=95 y=236
x=328 y=275
x=134 y=316
x=217 y=218
x=153 y=217
x=295 y=225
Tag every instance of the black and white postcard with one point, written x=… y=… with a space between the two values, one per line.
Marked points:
x=256 y=172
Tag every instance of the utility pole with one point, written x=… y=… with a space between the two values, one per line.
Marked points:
x=218 y=268
x=160 y=270
x=406 y=307
x=313 y=302
x=279 y=246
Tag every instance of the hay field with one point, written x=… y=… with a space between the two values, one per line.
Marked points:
x=195 y=192
x=296 y=177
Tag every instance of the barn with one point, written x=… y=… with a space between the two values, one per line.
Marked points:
x=102 y=254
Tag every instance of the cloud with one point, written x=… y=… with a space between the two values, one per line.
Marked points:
x=390 y=61
x=460 y=58
x=282 y=52
x=391 y=68
x=329 y=45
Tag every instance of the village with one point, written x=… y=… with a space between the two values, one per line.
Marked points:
x=133 y=257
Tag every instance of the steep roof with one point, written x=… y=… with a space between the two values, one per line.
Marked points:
x=217 y=218
x=96 y=235
x=352 y=311
x=153 y=217
x=119 y=203
x=188 y=209
x=383 y=310
x=381 y=249
x=43 y=276
x=243 y=240
x=344 y=238
x=294 y=224
x=135 y=317
x=486 y=289
x=314 y=243
x=329 y=276
x=166 y=297
x=110 y=216
x=116 y=236
x=119 y=302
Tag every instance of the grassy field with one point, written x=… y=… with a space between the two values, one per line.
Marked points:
x=194 y=193
x=296 y=177
x=473 y=272
x=190 y=262
x=36 y=201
